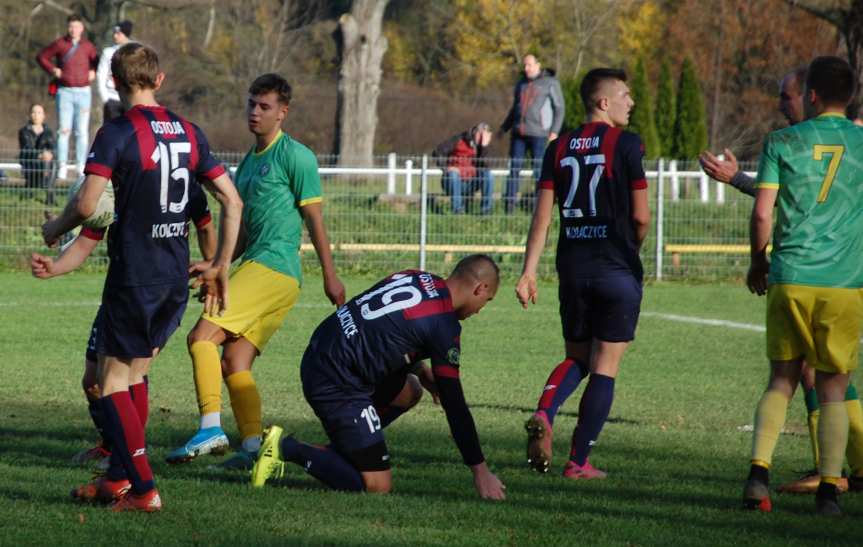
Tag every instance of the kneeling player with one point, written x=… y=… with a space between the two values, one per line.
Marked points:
x=152 y=156
x=363 y=353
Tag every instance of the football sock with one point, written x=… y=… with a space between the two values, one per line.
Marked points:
x=592 y=413
x=759 y=473
x=769 y=419
x=389 y=413
x=252 y=444
x=832 y=439
x=561 y=383
x=854 y=452
x=246 y=403
x=324 y=464
x=207 y=369
x=140 y=396
x=213 y=419
x=127 y=435
x=95 y=410
x=812 y=423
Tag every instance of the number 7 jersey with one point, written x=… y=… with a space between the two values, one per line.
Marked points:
x=152 y=156
x=593 y=171
x=817 y=168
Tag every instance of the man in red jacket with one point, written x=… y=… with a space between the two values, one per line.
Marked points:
x=462 y=157
x=71 y=60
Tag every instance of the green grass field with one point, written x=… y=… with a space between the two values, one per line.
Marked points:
x=673 y=447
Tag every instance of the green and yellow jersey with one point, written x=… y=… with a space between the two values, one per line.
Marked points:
x=817 y=168
x=274 y=183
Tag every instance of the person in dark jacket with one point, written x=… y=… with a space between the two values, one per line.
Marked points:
x=36 y=155
x=465 y=172
x=535 y=118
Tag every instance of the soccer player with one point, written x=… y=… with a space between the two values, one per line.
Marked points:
x=810 y=173
x=595 y=174
x=71 y=258
x=726 y=170
x=151 y=156
x=361 y=356
x=280 y=186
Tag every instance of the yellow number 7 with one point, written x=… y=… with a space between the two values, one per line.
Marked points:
x=835 y=151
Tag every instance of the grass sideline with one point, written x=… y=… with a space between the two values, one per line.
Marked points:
x=673 y=447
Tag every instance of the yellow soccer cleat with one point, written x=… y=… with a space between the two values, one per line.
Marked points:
x=269 y=464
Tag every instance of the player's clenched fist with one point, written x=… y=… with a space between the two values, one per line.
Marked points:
x=41 y=266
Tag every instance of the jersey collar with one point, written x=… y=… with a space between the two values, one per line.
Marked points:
x=272 y=143
x=831 y=115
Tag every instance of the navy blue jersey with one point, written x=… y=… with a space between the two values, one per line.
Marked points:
x=593 y=171
x=403 y=319
x=153 y=157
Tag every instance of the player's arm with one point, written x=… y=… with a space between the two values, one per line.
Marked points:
x=77 y=210
x=313 y=216
x=526 y=290
x=45 y=267
x=207 y=240
x=216 y=277
x=463 y=430
x=640 y=214
x=760 y=226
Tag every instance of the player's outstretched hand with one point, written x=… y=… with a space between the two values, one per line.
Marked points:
x=488 y=486
x=334 y=289
x=214 y=286
x=195 y=271
x=721 y=170
x=756 y=279
x=526 y=290
x=41 y=266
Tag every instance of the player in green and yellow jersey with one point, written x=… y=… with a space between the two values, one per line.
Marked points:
x=279 y=182
x=812 y=173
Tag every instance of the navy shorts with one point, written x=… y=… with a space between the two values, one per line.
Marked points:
x=348 y=415
x=137 y=320
x=604 y=308
x=90 y=352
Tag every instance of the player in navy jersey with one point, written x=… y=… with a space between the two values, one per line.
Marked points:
x=71 y=258
x=357 y=376
x=151 y=156
x=596 y=176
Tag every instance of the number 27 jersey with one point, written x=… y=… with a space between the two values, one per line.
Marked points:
x=152 y=156
x=593 y=171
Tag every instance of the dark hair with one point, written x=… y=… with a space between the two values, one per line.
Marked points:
x=135 y=65
x=125 y=27
x=832 y=79
x=272 y=82
x=74 y=17
x=593 y=79
x=476 y=266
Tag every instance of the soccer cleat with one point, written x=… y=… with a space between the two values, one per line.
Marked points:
x=756 y=495
x=582 y=472
x=101 y=490
x=149 y=502
x=827 y=500
x=539 y=437
x=211 y=440
x=240 y=461
x=808 y=484
x=269 y=464
x=97 y=452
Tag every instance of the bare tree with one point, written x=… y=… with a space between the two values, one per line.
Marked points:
x=361 y=50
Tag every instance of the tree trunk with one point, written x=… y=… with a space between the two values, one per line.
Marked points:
x=361 y=49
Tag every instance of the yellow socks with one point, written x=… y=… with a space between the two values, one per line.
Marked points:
x=812 y=422
x=246 y=402
x=832 y=438
x=207 y=367
x=854 y=452
x=769 y=419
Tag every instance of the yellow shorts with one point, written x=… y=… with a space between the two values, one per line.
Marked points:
x=821 y=324
x=258 y=301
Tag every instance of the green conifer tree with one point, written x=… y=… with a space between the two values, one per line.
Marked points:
x=690 y=123
x=664 y=113
x=574 y=114
x=641 y=120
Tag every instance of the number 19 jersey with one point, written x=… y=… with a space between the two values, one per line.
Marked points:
x=593 y=171
x=817 y=168
x=152 y=156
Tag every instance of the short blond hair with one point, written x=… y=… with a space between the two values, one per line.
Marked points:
x=135 y=65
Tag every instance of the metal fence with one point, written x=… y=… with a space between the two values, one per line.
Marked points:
x=395 y=214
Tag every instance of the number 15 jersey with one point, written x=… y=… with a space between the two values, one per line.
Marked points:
x=152 y=156
x=593 y=171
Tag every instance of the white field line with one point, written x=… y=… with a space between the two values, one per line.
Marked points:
x=704 y=321
x=95 y=304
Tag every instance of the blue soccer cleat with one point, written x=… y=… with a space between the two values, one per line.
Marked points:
x=211 y=440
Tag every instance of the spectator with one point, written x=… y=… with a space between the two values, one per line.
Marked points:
x=36 y=156
x=71 y=60
x=111 y=105
x=535 y=118
x=465 y=171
